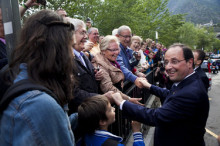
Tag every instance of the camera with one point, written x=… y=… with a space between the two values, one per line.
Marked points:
x=135 y=53
x=42 y=2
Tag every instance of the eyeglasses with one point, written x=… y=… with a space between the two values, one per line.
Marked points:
x=83 y=33
x=95 y=33
x=173 y=62
x=125 y=36
x=113 y=50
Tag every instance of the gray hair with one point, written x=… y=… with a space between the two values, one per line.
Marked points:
x=107 y=40
x=91 y=29
x=122 y=28
x=77 y=23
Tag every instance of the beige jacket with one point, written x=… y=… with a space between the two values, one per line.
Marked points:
x=111 y=75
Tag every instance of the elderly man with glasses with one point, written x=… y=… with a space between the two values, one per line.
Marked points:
x=127 y=58
x=181 y=119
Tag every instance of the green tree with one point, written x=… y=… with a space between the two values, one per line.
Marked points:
x=143 y=16
x=206 y=38
x=188 y=34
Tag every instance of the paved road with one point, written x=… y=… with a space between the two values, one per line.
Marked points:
x=213 y=123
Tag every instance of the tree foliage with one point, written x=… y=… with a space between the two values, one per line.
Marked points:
x=143 y=16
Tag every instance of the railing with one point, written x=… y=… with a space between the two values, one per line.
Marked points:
x=122 y=126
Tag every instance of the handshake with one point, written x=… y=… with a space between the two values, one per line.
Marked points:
x=117 y=98
x=141 y=82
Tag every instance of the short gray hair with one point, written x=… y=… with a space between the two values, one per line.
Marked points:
x=76 y=22
x=91 y=29
x=107 y=40
x=122 y=28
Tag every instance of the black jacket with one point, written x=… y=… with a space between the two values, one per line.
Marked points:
x=181 y=120
x=87 y=85
x=203 y=77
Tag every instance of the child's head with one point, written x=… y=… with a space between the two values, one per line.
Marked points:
x=95 y=113
x=151 y=54
x=143 y=46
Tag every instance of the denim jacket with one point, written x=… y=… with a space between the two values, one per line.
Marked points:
x=35 y=118
x=127 y=64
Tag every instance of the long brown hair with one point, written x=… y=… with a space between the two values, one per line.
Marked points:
x=45 y=46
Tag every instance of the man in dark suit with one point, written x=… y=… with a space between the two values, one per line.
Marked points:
x=181 y=119
x=85 y=74
x=199 y=56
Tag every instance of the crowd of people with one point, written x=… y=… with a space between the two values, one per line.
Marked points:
x=84 y=73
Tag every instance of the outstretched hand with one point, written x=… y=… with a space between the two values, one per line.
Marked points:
x=145 y=83
x=136 y=101
x=138 y=83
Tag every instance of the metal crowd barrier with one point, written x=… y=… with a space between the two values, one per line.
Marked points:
x=122 y=126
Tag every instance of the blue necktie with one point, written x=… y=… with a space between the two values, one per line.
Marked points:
x=81 y=59
x=173 y=89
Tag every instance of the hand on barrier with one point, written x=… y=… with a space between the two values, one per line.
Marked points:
x=136 y=126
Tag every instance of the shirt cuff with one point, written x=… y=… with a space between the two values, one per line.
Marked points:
x=121 y=105
x=137 y=136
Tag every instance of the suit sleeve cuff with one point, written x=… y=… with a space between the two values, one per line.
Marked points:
x=122 y=103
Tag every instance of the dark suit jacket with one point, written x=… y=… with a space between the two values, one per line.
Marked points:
x=182 y=118
x=86 y=83
x=203 y=77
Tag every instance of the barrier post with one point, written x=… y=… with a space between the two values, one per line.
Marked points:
x=11 y=22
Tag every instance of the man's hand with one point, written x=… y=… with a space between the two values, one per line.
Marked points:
x=99 y=75
x=136 y=101
x=145 y=83
x=138 y=83
x=117 y=98
x=88 y=46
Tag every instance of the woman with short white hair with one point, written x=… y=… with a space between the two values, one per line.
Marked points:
x=136 y=46
x=112 y=75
